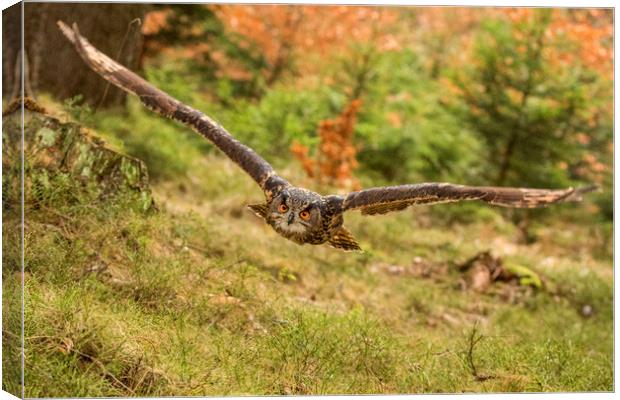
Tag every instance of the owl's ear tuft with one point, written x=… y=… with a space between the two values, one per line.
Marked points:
x=259 y=209
x=344 y=240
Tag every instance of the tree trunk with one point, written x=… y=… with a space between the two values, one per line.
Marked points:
x=53 y=66
x=506 y=159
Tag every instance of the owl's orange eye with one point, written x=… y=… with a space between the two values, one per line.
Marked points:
x=305 y=215
x=283 y=208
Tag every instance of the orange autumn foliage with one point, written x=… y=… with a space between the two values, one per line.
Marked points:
x=593 y=31
x=590 y=30
x=447 y=33
x=154 y=21
x=301 y=152
x=286 y=32
x=335 y=159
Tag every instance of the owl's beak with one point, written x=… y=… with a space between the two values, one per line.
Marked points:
x=290 y=218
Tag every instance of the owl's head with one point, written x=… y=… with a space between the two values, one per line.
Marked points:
x=295 y=213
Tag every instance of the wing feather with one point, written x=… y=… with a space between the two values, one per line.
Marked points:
x=164 y=104
x=395 y=198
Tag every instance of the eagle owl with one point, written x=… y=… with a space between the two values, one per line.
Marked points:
x=296 y=213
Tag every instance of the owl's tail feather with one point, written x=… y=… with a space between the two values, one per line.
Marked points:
x=343 y=239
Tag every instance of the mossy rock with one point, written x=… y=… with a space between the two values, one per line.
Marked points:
x=526 y=276
x=65 y=163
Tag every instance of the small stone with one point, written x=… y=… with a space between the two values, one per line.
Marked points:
x=224 y=299
x=587 y=310
x=396 y=269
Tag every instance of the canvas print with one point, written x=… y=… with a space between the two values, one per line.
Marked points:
x=217 y=200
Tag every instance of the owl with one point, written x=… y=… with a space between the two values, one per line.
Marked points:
x=298 y=214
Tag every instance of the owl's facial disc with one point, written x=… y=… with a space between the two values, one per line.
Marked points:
x=290 y=218
x=295 y=215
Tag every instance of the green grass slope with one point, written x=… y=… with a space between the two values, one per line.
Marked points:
x=200 y=297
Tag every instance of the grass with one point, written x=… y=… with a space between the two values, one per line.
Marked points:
x=201 y=298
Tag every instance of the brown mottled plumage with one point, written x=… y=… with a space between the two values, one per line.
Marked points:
x=296 y=213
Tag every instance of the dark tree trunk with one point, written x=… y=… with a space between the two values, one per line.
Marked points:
x=52 y=64
x=504 y=166
x=362 y=75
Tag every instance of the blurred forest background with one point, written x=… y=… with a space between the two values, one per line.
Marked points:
x=337 y=98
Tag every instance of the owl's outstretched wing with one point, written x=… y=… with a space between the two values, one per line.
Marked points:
x=169 y=107
x=382 y=200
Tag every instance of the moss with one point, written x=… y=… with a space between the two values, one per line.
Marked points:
x=526 y=276
x=57 y=152
x=46 y=137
